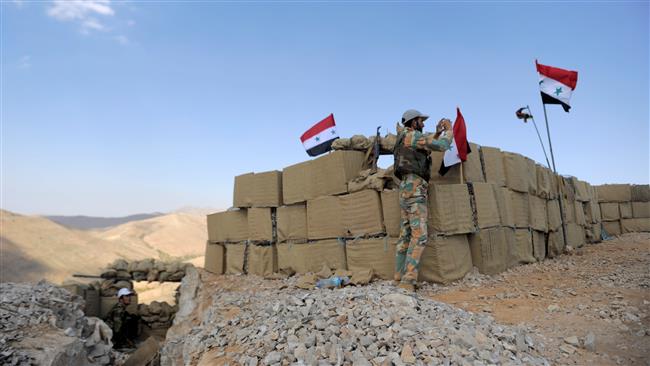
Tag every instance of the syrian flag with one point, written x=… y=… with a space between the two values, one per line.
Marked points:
x=319 y=138
x=556 y=85
x=459 y=148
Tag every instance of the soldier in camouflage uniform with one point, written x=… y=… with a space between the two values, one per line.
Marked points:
x=123 y=323
x=413 y=167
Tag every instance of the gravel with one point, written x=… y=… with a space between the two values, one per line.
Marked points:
x=40 y=323
x=370 y=325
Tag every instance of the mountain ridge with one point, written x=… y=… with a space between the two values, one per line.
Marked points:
x=82 y=222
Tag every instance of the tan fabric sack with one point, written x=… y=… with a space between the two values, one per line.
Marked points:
x=614 y=193
x=311 y=257
x=262 y=260
x=258 y=190
x=330 y=173
x=489 y=250
x=362 y=213
x=295 y=183
x=292 y=222
x=391 y=212
x=325 y=218
x=376 y=254
x=215 y=259
x=520 y=209
x=612 y=228
x=610 y=211
x=235 y=258
x=538 y=216
x=523 y=250
x=625 y=208
x=445 y=259
x=492 y=160
x=260 y=225
x=228 y=226
x=516 y=169
x=635 y=225
x=450 y=211
x=539 y=245
x=485 y=203
x=640 y=210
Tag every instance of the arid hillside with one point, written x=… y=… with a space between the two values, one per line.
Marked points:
x=178 y=235
x=34 y=247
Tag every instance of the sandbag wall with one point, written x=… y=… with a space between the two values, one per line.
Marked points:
x=90 y=293
x=157 y=316
x=140 y=270
x=312 y=214
x=624 y=208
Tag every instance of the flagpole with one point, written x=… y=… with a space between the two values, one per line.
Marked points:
x=559 y=188
x=461 y=172
x=548 y=164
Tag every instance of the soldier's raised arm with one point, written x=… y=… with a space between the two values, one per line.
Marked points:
x=428 y=141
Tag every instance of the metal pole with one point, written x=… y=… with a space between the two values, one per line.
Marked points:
x=548 y=132
x=559 y=188
x=461 y=172
x=548 y=164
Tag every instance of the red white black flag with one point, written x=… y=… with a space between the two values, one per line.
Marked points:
x=318 y=139
x=459 y=148
x=556 y=85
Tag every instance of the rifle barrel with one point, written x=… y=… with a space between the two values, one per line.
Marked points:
x=85 y=276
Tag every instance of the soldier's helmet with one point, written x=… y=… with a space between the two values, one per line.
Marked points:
x=124 y=292
x=413 y=113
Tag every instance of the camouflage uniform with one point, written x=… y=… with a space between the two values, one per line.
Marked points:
x=123 y=324
x=413 y=201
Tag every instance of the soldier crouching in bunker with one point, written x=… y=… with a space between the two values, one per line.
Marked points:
x=124 y=324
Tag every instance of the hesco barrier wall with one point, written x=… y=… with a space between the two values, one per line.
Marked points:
x=331 y=211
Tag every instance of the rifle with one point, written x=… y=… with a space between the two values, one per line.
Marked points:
x=376 y=157
x=85 y=276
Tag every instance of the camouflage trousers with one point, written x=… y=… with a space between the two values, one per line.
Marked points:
x=412 y=236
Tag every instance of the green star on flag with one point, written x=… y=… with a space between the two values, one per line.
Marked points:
x=318 y=139
x=556 y=85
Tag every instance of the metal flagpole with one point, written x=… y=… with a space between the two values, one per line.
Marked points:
x=548 y=164
x=461 y=172
x=559 y=188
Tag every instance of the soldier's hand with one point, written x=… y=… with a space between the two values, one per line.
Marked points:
x=443 y=125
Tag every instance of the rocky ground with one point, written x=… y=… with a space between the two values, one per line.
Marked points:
x=589 y=307
x=41 y=324
x=253 y=321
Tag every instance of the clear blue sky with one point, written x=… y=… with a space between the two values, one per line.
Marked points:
x=112 y=108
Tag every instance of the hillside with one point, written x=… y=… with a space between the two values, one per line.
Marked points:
x=91 y=222
x=34 y=247
x=176 y=234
